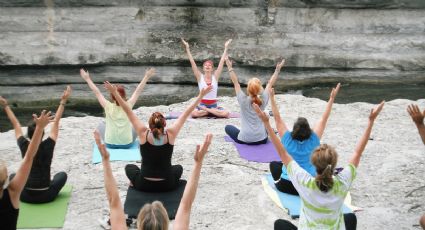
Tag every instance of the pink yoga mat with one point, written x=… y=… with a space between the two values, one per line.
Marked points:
x=259 y=153
x=175 y=115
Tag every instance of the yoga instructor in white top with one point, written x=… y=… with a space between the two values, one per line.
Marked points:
x=208 y=105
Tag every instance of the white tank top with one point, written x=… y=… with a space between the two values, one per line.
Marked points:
x=202 y=84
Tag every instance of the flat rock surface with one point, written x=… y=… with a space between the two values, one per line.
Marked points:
x=390 y=186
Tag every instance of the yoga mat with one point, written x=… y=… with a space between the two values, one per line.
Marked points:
x=175 y=115
x=48 y=215
x=264 y=153
x=130 y=154
x=291 y=203
x=136 y=199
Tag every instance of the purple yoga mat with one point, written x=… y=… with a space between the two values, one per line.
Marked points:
x=259 y=153
x=175 y=115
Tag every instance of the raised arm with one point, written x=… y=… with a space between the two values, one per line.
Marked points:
x=54 y=132
x=418 y=119
x=320 y=127
x=18 y=182
x=148 y=74
x=117 y=216
x=273 y=78
x=178 y=124
x=15 y=123
x=280 y=124
x=183 y=213
x=138 y=125
x=219 y=69
x=232 y=74
x=85 y=75
x=195 y=69
x=355 y=158
x=284 y=156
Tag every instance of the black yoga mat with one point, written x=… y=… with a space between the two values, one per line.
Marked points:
x=136 y=199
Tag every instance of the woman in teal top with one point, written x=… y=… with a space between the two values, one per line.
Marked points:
x=299 y=143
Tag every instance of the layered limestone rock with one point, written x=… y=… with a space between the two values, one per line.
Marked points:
x=46 y=42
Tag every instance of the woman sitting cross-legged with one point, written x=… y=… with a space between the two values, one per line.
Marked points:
x=156 y=147
x=299 y=143
x=153 y=216
x=252 y=130
x=117 y=131
x=209 y=77
x=10 y=189
x=323 y=195
x=40 y=188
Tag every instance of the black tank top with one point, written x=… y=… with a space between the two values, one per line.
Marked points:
x=40 y=170
x=156 y=159
x=8 y=214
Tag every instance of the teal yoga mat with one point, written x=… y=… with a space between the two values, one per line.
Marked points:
x=289 y=202
x=130 y=154
x=48 y=215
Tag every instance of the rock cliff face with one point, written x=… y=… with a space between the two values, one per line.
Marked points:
x=46 y=42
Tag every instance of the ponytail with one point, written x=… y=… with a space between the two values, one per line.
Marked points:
x=157 y=124
x=325 y=181
x=324 y=158
x=254 y=89
x=257 y=100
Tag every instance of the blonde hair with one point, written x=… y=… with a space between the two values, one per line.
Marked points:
x=324 y=158
x=153 y=217
x=254 y=89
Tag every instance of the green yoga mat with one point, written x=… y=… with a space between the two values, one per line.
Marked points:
x=49 y=215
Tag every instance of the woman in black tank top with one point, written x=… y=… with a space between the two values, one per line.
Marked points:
x=10 y=192
x=156 y=147
x=39 y=187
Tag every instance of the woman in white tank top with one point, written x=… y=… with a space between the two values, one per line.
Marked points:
x=208 y=105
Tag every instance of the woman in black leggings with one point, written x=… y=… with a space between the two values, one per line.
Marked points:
x=40 y=188
x=11 y=189
x=156 y=147
x=350 y=221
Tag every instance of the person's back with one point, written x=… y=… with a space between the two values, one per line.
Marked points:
x=118 y=129
x=252 y=129
x=321 y=210
x=40 y=171
x=300 y=151
x=8 y=214
x=156 y=159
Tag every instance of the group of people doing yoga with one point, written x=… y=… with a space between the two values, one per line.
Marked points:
x=307 y=168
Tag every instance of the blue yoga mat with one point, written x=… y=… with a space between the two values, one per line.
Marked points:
x=289 y=202
x=130 y=154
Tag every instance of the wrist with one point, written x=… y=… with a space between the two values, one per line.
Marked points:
x=420 y=124
x=230 y=70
